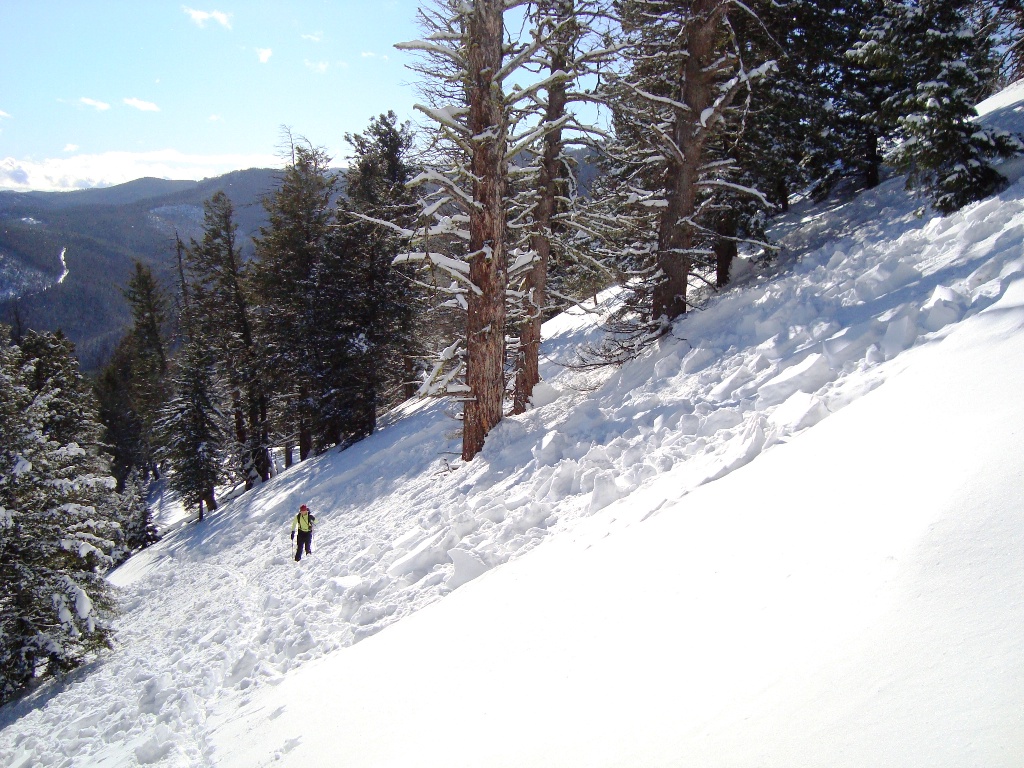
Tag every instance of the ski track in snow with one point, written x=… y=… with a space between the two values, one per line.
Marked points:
x=218 y=611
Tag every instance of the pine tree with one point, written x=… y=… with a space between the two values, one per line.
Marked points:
x=192 y=429
x=136 y=519
x=130 y=445
x=935 y=65
x=58 y=514
x=289 y=252
x=133 y=386
x=466 y=71
x=546 y=230
x=149 y=307
x=472 y=61
x=684 y=73
x=380 y=300
x=224 y=321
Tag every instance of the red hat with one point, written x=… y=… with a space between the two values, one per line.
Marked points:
x=304 y=507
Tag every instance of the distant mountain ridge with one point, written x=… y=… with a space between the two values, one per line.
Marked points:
x=104 y=231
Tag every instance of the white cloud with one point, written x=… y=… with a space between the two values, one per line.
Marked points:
x=142 y=106
x=3 y=114
x=70 y=147
x=201 y=17
x=317 y=66
x=316 y=37
x=372 y=55
x=216 y=119
x=264 y=54
x=109 y=168
x=99 y=106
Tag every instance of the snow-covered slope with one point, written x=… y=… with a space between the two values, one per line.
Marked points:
x=790 y=535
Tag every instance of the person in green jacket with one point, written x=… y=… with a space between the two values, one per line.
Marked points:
x=304 y=523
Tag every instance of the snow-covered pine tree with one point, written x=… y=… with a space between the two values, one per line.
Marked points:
x=290 y=253
x=936 y=65
x=1011 y=16
x=223 y=315
x=803 y=129
x=149 y=306
x=467 y=64
x=129 y=446
x=193 y=430
x=377 y=301
x=548 y=222
x=136 y=519
x=685 y=69
x=58 y=521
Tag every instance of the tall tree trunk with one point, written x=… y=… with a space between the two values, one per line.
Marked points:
x=241 y=433
x=725 y=248
x=535 y=283
x=305 y=425
x=690 y=134
x=488 y=269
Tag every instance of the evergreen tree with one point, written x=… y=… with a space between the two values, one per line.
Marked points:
x=150 y=390
x=551 y=224
x=684 y=73
x=290 y=252
x=57 y=514
x=936 y=65
x=136 y=520
x=471 y=60
x=378 y=300
x=130 y=445
x=193 y=435
x=224 y=322
x=133 y=386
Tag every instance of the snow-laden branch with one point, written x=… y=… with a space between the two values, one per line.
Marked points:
x=459 y=196
x=456 y=268
x=744 y=190
x=521 y=94
x=446 y=116
x=537 y=133
x=676 y=105
x=429 y=46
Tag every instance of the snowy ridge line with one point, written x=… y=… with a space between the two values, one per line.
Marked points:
x=219 y=611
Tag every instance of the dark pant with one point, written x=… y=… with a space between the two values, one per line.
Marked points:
x=304 y=539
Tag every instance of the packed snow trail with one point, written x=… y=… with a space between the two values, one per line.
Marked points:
x=219 y=613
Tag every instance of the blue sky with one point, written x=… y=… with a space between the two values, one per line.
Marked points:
x=97 y=93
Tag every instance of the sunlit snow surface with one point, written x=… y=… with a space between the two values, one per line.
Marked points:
x=791 y=535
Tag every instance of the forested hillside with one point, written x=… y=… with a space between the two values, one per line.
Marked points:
x=103 y=231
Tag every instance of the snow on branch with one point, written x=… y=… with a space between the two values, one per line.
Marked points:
x=429 y=46
x=446 y=116
x=459 y=196
x=456 y=268
x=539 y=132
x=677 y=105
x=743 y=190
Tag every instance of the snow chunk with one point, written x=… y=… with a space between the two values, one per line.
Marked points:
x=807 y=376
x=155 y=748
x=799 y=411
x=900 y=333
x=945 y=307
x=423 y=558
x=468 y=565
x=544 y=394
x=606 y=491
x=698 y=358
